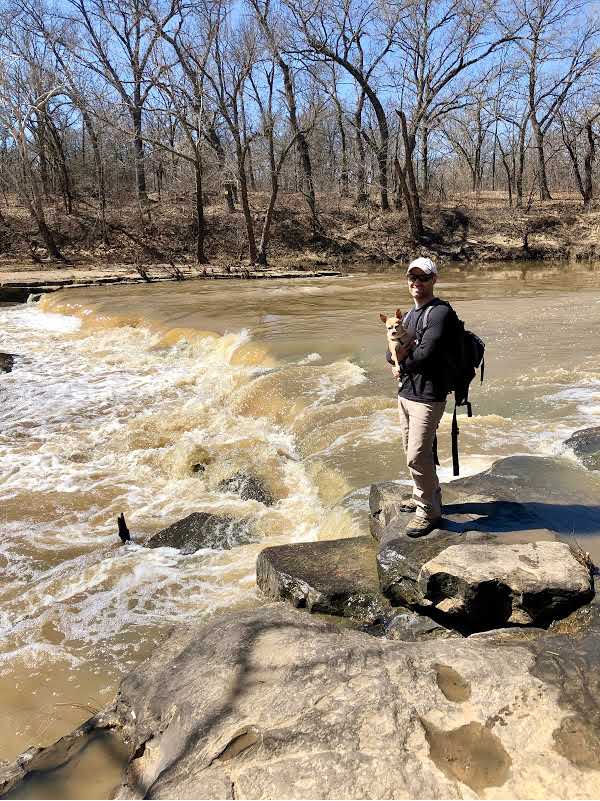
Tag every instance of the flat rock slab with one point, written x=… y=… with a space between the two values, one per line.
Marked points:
x=203 y=530
x=494 y=584
x=585 y=444
x=533 y=496
x=335 y=577
x=273 y=704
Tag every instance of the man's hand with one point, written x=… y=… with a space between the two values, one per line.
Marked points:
x=402 y=352
x=396 y=372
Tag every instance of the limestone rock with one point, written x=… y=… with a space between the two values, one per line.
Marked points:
x=203 y=530
x=400 y=561
x=492 y=585
x=336 y=577
x=248 y=487
x=7 y=361
x=273 y=704
x=585 y=444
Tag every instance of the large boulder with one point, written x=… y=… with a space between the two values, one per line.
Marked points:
x=7 y=361
x=585 y=444
x=203 y=530
x=270 y=703
x=335 y=577
x=491 y=585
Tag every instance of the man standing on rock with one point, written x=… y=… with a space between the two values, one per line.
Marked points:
x=422 y=393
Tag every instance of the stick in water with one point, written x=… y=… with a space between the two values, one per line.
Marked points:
x=123 y=530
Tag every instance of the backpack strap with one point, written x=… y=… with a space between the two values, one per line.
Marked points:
x=455 y=433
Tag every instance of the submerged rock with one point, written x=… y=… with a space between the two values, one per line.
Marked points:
x=7 y=361
x=585 y=444
x=272 y=704
x=335 y=577
x=203 y=530
x=248 y=487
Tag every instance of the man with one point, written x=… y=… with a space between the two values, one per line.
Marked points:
x=422 y=392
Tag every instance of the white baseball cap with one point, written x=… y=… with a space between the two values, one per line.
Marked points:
x=424 y=264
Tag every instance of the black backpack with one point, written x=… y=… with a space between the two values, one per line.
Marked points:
x=464 y=354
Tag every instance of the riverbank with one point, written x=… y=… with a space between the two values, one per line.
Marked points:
x=160 y=243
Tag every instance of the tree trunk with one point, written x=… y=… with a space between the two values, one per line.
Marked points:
x=36 y=205
x=248 y=147
x=361 y=167
x=200 y=220
x=308 y=188
x=520 y=164
x=344 y=172
x=41 y=137
x=541 y=160
x=99 y=167
x=410 y=187
x=65 y=180
x=243 y=181
x=588 y=164
x=138 y=149
x=266 y=228
x=425 y=160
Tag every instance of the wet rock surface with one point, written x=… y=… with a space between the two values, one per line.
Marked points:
x=585 y=444
x=248 y=487
x=203 y=530
x=336 y=577
x=275 y=704
x=7 y=361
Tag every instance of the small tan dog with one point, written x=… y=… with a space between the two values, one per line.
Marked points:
x=397 y=336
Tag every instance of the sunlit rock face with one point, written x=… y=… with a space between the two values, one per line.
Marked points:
x=274 y=703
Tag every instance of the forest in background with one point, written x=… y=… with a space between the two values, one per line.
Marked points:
x=257 y=131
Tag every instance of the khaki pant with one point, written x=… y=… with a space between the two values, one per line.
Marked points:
x=419 y=422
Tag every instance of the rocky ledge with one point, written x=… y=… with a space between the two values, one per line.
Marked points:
x=274 y=703
x=277 y=703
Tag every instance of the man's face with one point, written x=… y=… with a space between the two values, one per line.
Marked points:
x=420 y=284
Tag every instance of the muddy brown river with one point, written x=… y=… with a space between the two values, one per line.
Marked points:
x=118 y=392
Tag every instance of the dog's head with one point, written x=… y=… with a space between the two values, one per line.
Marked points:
x=393 y=324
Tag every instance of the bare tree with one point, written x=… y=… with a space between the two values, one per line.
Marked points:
x=559 y=43
x=578 y=135
x=273 y=36
x=440 y=40
x=116 y=40
x=353 y=34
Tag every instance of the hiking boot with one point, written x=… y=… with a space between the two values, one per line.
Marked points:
x=420 y=526
x=407 y=504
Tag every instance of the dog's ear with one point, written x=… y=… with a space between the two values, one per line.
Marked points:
x=398 y=314
x=383 y=318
